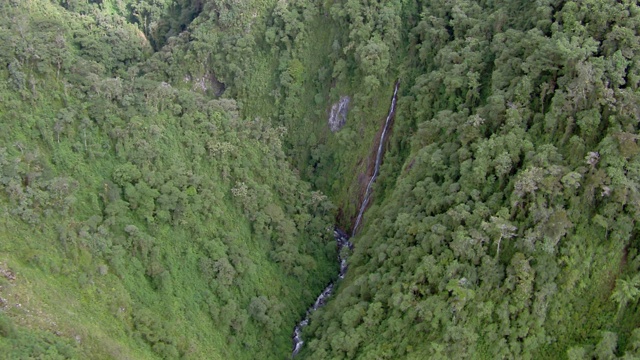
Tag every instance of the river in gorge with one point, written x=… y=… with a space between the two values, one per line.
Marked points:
x=342 y=238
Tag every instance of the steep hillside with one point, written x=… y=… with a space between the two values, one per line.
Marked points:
x=164 y=166
x=141 y=218
x=505 y=225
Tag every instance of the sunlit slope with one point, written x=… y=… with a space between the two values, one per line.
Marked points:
x=141 y=219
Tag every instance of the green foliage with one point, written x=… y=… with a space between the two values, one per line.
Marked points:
x=174 y=223
x=626 y=291
x=7 y=329
x=152 y=153
x=18 y=343
x=492 y=234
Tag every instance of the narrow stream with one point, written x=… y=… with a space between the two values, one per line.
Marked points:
x=342 y=239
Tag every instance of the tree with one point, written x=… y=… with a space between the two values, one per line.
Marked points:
x=606 y=347
x=374 y=57
x=501 y=228
x=626 y=290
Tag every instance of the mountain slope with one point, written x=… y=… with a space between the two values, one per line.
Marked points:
x=157 y=160
x=508 y=230
x=141 y=219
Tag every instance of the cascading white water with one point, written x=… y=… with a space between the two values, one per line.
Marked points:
x=342 y=239
x=376 y=168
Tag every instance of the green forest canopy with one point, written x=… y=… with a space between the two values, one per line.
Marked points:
x=169 y=181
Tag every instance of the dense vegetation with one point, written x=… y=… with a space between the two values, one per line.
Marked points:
x=141 y=217
x=508 y=225
x=164 y=164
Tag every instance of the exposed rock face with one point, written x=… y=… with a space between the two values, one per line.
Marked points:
x=338 y=116
x=207 y=82
x=336 y=122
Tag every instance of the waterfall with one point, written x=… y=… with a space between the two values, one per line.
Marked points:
x=342 y=239
x=376 y=168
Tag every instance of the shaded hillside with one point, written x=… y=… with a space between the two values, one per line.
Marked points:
x=508 y=224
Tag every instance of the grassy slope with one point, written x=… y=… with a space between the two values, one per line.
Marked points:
x=103 y=306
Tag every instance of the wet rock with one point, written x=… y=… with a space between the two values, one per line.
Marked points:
x=338 y=115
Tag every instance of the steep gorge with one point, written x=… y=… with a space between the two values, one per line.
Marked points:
x=342 y=239
x=504 y=222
